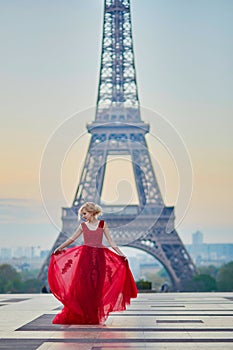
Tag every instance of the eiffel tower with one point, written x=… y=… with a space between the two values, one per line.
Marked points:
x=119 y=130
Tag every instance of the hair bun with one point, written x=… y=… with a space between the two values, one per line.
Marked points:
x=92 y=208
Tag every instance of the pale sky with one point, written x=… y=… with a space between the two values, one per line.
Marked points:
x=49 y=67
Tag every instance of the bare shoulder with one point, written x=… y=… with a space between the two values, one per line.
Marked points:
x=105 y=224
x=78 y=232
x=79 y=228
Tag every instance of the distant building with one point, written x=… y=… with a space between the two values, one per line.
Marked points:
x=197 y=238
x=23 y=257
x=6 y=253
x=143 y=263
x=209 y=253
x=44 y=253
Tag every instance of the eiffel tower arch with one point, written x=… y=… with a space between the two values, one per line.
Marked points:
x=119 y=130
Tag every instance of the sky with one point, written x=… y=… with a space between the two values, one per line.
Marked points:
x=49 y=68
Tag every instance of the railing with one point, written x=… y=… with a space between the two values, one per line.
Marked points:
x=124 y=210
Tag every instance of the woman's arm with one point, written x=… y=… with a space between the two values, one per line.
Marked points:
x=111 y=241
x=70 y=240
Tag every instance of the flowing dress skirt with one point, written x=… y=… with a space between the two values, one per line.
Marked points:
x=90 y=282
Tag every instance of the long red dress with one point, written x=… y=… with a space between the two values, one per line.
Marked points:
x=90 y=280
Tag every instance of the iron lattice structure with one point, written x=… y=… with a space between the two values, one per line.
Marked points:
x=119 y=130
x=117 y=83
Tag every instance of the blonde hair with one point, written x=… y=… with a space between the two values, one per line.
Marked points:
x=90 y=207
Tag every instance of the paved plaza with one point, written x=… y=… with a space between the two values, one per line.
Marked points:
x=152 y=321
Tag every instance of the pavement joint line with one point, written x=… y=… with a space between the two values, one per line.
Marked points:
x=14 y=300
x=153 y=329
x=120 y=340
x=189 y=310
x=183 y=315
x=176 y=306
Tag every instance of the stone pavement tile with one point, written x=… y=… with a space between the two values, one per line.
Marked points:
x=220 y=346
x=218 y=321
x=73 y=346
x=166 y=335
x=129 y=321
x=17 y=314
x=213 y=335
x=20 y=344
x=26 y=335
x=14 y=300
x=121 y=335
x=119 y=346
x=75 y=335
x=65 y=346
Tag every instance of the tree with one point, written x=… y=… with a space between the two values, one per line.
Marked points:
x=209 y=270
x=10 y=279
x=31 y=285
x=143 y=285
x=201 y=283
x=156 y=279
x=225 y=278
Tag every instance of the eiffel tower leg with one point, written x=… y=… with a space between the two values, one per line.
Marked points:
x=169 y=250
x=148 y=188
x=91 y=183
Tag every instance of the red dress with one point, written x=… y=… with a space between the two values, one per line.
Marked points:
x=90 y=280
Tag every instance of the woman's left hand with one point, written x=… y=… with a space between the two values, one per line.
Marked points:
x=57 y=251
x=124 y=257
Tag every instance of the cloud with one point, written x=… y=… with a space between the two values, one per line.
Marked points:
x=21 y=210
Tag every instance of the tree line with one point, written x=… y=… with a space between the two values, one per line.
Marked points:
x=212 y=278
x=12 y=281
x=209 y=279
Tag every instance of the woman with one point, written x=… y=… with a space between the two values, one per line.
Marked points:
x=90 y=280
